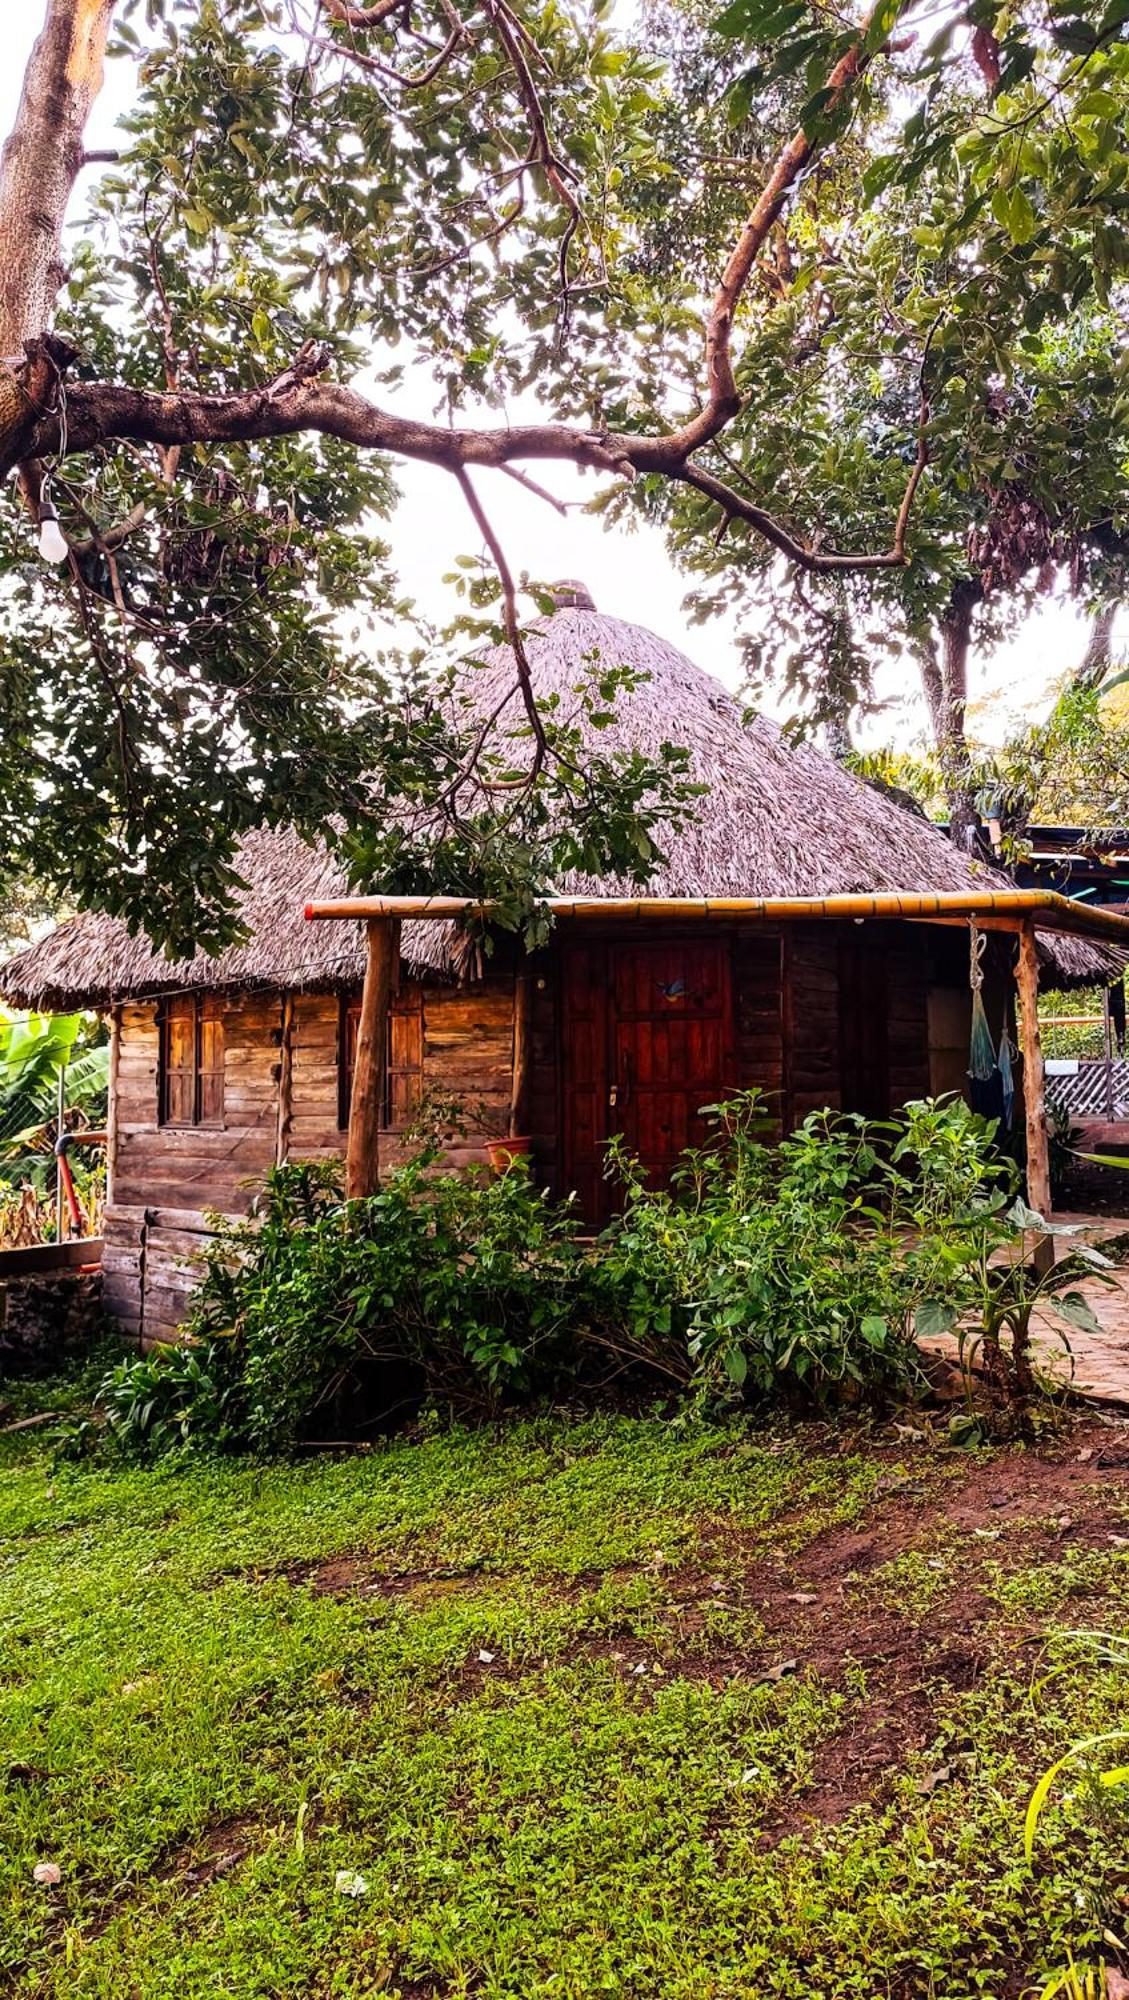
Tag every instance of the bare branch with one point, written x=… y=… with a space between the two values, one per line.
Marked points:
x=511 y=621
x=531 y=486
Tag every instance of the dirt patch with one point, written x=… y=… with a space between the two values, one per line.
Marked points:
x=823 y=1606
x=354 y=1574
x=216 y=1852
x=818 y=1606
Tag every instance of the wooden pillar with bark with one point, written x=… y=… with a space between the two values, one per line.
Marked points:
x=370 y=1069
x=285 y=1081
x=112 y=1103
x=1034 y=1088
x=522 y=1052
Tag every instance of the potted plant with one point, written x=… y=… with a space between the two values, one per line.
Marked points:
x=503 y=1152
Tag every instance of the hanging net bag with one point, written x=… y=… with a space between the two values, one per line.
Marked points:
x=987 y=1090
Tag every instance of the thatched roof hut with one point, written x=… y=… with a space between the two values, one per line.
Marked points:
x=622 y=1026
x=776 y=819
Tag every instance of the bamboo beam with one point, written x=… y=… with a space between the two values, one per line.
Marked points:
x=362 y=1155
x=519 y=1086
x=1034 y=1089
x=1050 y=911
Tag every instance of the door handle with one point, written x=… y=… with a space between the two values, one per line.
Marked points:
x=613 y=1096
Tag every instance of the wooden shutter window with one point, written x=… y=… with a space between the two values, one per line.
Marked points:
x=404 y=1080
x=404 y=1075
x=178 y=1062
x=209 y=1077
x=191 y=1060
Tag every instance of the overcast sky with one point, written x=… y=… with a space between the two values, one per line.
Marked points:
x=629 y=574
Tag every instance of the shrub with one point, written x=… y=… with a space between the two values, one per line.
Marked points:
x=439 y=1286
x=800 y=1271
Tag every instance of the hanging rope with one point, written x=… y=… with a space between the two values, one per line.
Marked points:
x=981 y=1054
x=993 y=1085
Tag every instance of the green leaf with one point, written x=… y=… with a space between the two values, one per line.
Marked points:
x=1022 y=220
x=1042 y=1791
x=1024 y=1217
x=933 y=1316
x=1077 y=1311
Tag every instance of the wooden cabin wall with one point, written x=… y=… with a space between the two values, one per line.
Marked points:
x=468 y=1053
x=856 y=1018
x=166 y=1177
x=907 y=1013
x=811 y=1021
x=758 y=1016
x=281 y=1083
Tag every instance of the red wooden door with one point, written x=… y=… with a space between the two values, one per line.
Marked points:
x=647 y=1043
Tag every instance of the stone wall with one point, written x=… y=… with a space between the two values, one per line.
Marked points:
x=46 y=1316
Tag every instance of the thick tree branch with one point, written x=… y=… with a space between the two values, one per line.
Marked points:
x=41 y=161
x=42 y=421
x=363 y=17
x=723 y=400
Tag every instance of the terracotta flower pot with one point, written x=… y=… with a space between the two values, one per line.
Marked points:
x=503 y=1152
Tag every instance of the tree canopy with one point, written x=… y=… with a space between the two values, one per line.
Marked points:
x=835 y=297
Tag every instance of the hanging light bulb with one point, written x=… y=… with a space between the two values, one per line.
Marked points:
x=52 y=542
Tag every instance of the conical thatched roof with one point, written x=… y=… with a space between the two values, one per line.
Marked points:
x=775 y=820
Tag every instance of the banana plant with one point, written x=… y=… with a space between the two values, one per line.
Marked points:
x=34 y=1048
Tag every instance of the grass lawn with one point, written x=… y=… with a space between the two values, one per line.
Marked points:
x=590 y=1706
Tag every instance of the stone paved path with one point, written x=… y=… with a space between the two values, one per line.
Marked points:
x=1101 y=1362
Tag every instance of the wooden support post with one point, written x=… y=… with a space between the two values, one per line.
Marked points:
x=519 y=1086
x=112 y=1102
x=1034 y=1089
x=285 y=1082
x=60 y=1128
x=362 y=1155
x=1107 y=1025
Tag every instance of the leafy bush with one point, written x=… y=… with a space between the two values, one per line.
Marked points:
x=805 y=1270
x=172 y=1397
x=439 y=1285
x=803 y=1267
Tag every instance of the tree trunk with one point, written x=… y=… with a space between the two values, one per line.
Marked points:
x=837 y=736
x=933 y=688
x=956 y=638
x=41 y=161
x=1097 y=659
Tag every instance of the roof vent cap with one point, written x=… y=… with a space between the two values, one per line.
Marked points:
x=569 y=595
